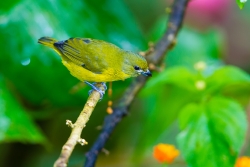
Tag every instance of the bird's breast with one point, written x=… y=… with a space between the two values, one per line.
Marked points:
x=107 y=75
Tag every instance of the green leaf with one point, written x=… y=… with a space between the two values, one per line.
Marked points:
x=212 y=133
x=230 y=74
x=241 y=3
x=239 y=92
x=15 y=124
x=178 y=76
x=226 y=77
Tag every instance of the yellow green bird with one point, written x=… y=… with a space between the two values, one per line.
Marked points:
x=92 y=60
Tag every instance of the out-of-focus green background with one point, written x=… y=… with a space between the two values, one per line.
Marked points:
x=37 y=93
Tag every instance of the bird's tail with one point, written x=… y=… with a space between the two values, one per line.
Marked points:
x=47 y=41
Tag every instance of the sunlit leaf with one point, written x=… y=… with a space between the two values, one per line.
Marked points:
x=178 y=76
x=212 y=133
x=228 y=77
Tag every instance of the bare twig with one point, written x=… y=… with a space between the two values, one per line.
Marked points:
x=155 y=57
x=77 y=127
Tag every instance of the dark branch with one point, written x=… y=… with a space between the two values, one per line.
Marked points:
x=155 y=57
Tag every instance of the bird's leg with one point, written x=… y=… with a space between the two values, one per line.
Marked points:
x=97 y=89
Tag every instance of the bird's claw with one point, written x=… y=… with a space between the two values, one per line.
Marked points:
x=100 y=91
x=97 y=89
x=103 y=84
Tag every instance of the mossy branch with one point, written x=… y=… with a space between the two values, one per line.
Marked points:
x=77 y=127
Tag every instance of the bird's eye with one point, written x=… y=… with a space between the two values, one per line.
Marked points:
x=136 y=68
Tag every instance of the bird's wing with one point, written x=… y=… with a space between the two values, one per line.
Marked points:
x=76 y=50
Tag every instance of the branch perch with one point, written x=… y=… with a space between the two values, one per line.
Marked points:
x=155 y=57
x=77 y=127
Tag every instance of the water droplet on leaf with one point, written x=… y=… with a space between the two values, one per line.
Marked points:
x=25 y=62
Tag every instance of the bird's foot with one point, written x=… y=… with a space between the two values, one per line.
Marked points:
x=93 y=85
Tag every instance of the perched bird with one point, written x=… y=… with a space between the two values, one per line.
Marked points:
x=92 y=60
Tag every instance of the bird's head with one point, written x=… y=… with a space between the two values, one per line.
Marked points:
x=135 y=65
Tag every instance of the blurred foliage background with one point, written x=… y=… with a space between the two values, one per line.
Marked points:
x=37 y=94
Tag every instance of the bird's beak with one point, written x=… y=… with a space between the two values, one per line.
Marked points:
x=147 y=73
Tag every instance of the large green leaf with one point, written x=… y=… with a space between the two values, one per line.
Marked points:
x=15 y=124
x=212 y=133
x=227 y=75
x=181 y=77
x=230 y=81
